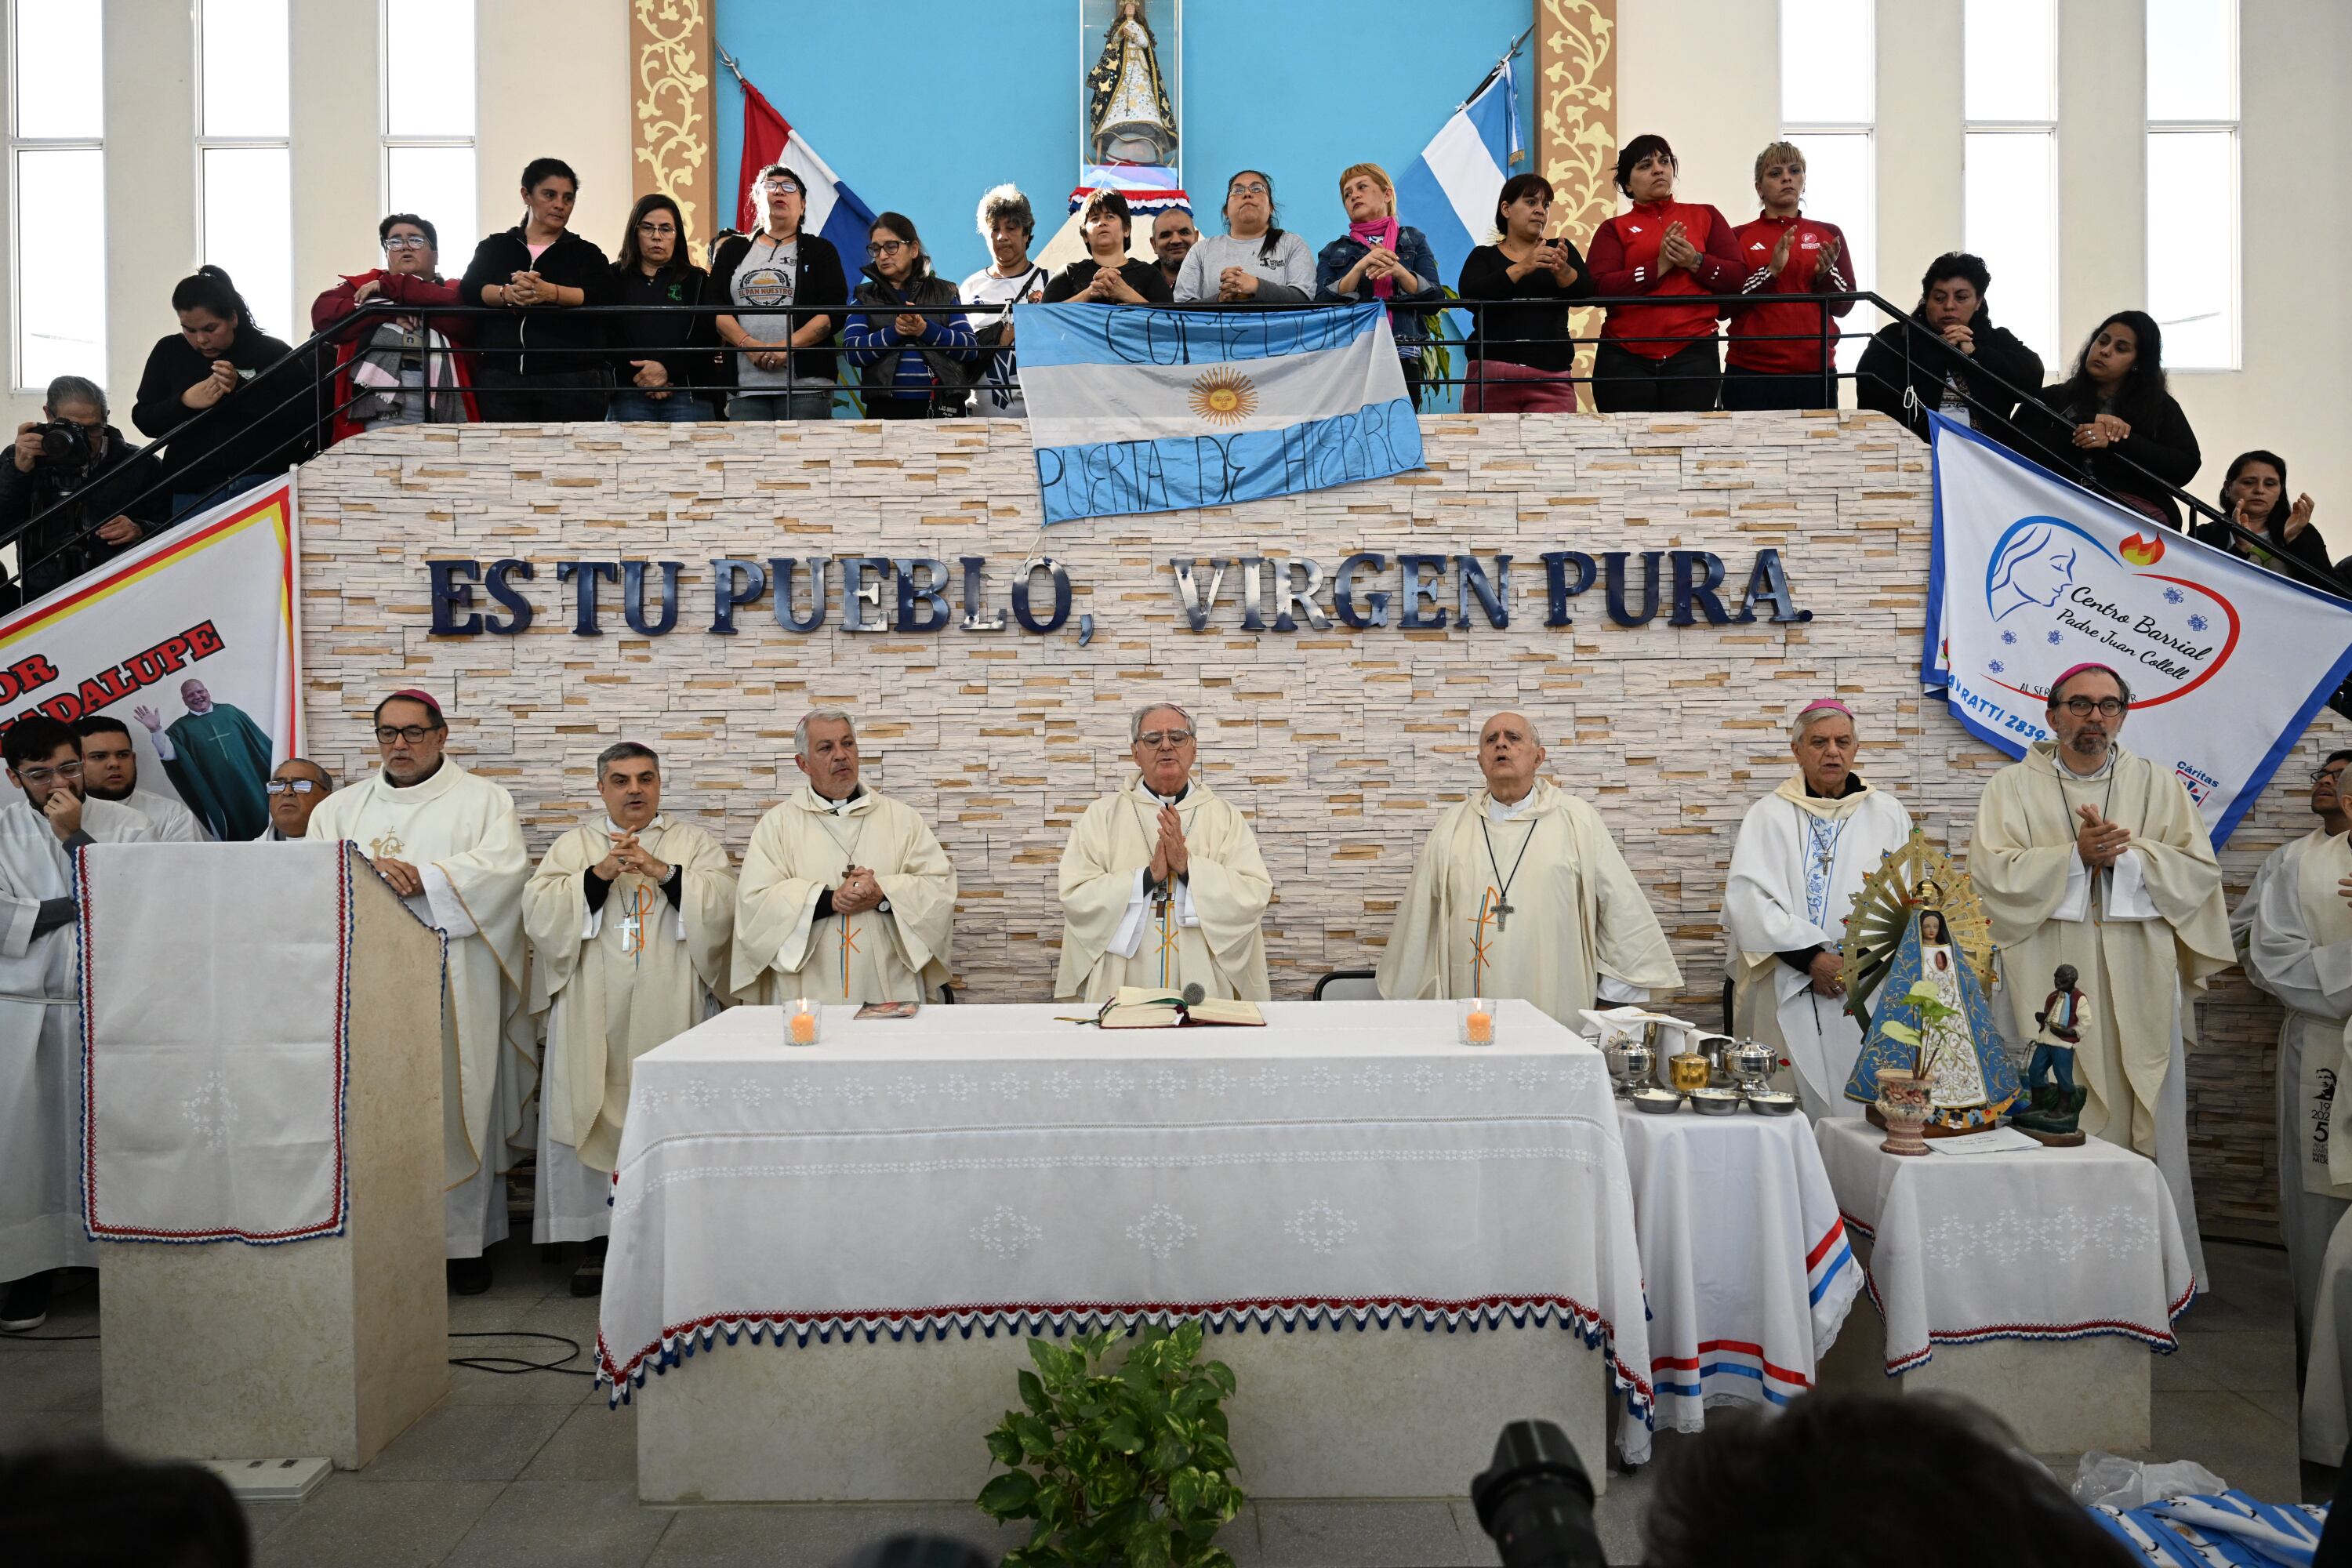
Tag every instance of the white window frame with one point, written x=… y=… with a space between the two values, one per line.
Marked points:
x=2233 y=243
x=204 y=143
x=15 y=146
x=1863 y=247
x=2047 y=130
x=386 y=142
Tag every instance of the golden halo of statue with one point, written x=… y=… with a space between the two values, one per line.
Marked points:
x=1917 y=876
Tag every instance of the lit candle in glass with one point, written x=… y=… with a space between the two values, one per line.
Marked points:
x=1478 y=1022
x=800 y=1028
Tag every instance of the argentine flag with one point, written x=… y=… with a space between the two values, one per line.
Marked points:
x=1136 y=410
x=1449 y=193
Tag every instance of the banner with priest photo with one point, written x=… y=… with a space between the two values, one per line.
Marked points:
x=1139 y=410
x=189 y=640
x=2031 y=574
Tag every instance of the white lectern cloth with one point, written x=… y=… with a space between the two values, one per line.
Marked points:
x=1347 y=1167
x=2047 y=1243
x=1748 y=1271
x=215 y=982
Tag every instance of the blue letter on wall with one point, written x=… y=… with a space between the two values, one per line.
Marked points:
x=452 y=590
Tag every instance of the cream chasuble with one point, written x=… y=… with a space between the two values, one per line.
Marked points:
x=460 y=831
x=1795 y=868
x=41 y=1040
x=2298 y=947
x=1540 y=906
x=617 y=983
x=1206 y=931
x=802 y=851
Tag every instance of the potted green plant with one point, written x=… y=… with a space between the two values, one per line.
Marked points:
x=1902 y=1097
x=1128 y=1467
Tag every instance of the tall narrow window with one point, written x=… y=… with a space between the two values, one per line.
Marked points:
x=1829 y=110
x=428 y=119
x=2193 y=167
x=2008 y=92
x=245 y=162
x=57 y=160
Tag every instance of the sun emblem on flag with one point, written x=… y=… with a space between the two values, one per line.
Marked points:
x=1224 y=395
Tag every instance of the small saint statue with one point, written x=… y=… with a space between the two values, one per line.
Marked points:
x=1127 y=98
x=2056 y=1110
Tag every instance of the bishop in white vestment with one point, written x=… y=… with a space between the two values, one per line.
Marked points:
x=1520 y=891
x=41 y=1011
x=846 y=895
x=2297 y=945
x=1803 y=854
x=449 y=843
x=2087 y=855
x=628 y=918
x=1161 y=883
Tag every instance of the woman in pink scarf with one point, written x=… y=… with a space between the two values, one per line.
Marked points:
x=1380 y=258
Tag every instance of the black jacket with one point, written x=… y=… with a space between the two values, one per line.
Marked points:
x=817 y=279
x=1536 y=333
x=1144 y=277
x=266 y=426
x=686 y=344
x=505 y=341
x=61 y=546
x=1880 y=381
x=2161 y=443
x=2277 y=554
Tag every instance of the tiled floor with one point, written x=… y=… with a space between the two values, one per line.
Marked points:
x=534 y=1468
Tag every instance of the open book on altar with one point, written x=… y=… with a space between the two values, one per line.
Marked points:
x=1142 y=1007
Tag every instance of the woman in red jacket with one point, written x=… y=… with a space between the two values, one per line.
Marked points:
x=393 y=367
x=1660 y=357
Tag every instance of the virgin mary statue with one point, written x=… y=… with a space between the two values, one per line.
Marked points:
x=1972 y=1080
x=1127 y=98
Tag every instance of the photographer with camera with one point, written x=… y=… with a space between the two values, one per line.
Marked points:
x=71 y=455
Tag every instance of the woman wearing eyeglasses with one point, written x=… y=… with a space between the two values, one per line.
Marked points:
x=785 y=367
x=664 y=359
x=914 y=353
x=396 y=363
x=1252 y=262
x=539 y=362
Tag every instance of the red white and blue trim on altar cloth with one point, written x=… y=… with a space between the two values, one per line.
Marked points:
x=2160 y=1339
x=680 y=1342
x=1740 y=1372
x=337 y=1217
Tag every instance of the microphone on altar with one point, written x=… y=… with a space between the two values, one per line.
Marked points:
x=1195 y=993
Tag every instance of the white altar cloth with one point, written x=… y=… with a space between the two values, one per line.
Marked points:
x=2055 y=1243
x=1347 y=1167
x=216 y=1042
x=1748 y=1269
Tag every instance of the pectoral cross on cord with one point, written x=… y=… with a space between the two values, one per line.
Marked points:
x=1503 y=909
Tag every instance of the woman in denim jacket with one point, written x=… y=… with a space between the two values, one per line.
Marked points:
x=1380 y=259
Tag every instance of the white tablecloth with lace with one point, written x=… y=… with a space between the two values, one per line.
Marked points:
x=995 y=1168
x=1749 y=1272
x=2045 y=1244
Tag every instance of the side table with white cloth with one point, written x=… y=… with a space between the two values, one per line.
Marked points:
x=2035 y=1281
x=877 y=1222
x=1748 y=1269
x=262 y=1073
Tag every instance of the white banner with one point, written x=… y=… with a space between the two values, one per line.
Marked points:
x=190 y=639
x=2227 y=662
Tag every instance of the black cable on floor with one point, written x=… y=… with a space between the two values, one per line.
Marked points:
x=513 y=1366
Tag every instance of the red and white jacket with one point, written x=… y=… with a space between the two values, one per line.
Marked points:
x=1624 y=259
x=1770 y=338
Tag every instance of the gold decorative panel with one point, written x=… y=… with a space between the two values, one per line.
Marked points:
x=670 y=43
x=1576 y=120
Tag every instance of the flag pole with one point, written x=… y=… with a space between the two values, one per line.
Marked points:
x=1507 y=55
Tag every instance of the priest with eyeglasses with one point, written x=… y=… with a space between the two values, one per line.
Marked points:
x=449 y=842
x=2088 y=856
x=1520 y=891
x=294 y=792
x=1161 y=882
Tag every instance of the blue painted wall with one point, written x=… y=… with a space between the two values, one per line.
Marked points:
x=920 y=105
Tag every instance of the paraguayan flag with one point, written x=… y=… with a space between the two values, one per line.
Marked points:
x=1134 y=410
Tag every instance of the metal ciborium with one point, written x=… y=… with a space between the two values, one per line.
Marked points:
x=1626 y=1042
x=1749 y=1065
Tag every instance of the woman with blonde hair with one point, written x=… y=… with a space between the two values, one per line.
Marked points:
x=1380 y=258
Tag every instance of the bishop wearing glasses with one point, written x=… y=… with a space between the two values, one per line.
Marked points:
x=449 y=843
x=2087 y=856
x=1161 y=882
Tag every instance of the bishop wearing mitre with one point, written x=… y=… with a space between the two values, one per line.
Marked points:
x=2087 y=855
x=846 y=895
x=1161 y=882
x=1803 y=854
x=1520 y=891
x=449 y=843
x=629 y=917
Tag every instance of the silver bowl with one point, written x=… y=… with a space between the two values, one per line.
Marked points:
x=1714 y=1101
x=1771 y=1102
x=1657 y=1101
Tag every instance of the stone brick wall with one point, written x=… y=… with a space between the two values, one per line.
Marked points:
x=1340 y=745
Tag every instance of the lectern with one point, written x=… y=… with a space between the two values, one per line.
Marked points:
x=262 y=1079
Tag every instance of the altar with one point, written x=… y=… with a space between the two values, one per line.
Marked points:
x=824 y=1260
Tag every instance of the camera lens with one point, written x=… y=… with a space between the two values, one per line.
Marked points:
x=1536 y=1500
x=60 y=440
